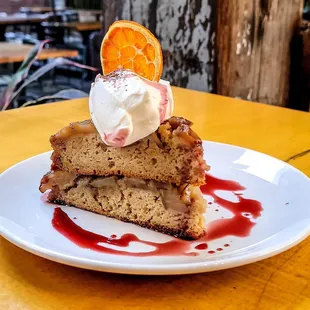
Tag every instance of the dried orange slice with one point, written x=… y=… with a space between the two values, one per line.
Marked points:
x=129 y=45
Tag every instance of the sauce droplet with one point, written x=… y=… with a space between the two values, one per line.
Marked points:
x=201 y=246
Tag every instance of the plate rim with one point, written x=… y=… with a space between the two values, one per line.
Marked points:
x=225 y=262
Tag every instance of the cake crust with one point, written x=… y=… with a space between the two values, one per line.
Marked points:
x=172 y=154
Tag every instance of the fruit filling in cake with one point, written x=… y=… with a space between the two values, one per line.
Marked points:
x=133 y=160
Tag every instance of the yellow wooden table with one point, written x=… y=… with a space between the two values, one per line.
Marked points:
x=39 y=9
x=15 y=52
x=15 y=19
x=281 y=282
x=82 y=26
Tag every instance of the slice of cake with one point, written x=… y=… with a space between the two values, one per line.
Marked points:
x=172 y=154
x=132 y=161
x=153 y=183
x=165 y=207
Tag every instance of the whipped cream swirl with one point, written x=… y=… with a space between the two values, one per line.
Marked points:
x=126 y=107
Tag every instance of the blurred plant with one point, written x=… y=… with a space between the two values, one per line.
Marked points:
x=20 y=79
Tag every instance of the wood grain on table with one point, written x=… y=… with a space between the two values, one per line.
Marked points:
x=280 y=282
x=14 y=52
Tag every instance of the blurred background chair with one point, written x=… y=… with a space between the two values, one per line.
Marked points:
x=95 y=40
x=62 y=38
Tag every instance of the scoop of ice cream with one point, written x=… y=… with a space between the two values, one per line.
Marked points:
x=125 y=107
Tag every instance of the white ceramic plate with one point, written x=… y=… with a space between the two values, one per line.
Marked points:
x=283 y=191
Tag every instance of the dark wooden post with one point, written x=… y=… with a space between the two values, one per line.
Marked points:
x=300 y=77
x=253 y=48
x=305 y=67
x=111 y=12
